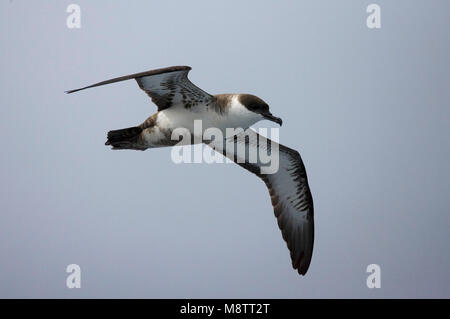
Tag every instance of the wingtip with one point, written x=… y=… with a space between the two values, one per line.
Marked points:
x=301 y=265
x=302 y=270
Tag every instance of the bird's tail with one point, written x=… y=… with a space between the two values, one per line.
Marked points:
x=127 y=138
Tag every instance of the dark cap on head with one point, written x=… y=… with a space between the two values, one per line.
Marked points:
x=253 y=103
x=257 y=105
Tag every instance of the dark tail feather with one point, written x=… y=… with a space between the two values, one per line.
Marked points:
x=126 y=138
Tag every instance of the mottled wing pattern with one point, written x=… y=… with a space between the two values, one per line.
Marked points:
x=174 y=88
x=288 y=189
x=166 y=87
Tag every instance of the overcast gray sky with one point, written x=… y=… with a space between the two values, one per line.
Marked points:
x=368 y=109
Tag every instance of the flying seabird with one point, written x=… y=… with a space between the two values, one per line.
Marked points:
x=180 y=103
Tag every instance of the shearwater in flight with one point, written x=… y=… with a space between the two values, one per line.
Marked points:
x=180 y=103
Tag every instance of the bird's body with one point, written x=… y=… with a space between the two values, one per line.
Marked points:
x=181 y=104
x=224 y=111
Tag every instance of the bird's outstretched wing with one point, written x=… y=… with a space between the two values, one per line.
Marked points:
x=166 y=87
x=288 y=187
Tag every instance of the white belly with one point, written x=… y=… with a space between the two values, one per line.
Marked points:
x=179 y=117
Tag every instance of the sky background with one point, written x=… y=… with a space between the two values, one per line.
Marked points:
x=368 y=109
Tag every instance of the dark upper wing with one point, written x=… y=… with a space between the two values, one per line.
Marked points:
x=166 y=87
x=288 y=188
